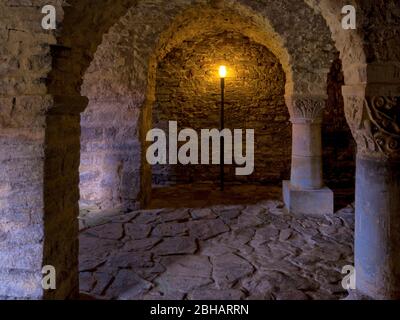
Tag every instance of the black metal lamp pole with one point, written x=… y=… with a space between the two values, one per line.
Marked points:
x=222 y=127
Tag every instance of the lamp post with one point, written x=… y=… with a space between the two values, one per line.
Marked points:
x=222 y=75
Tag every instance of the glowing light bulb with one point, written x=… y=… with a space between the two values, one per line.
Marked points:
x=222 y=71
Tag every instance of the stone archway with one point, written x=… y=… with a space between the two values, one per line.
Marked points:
x=54 y=109
x=371 y=63
x=71 y=54
x=188 y=23
x=200 y=19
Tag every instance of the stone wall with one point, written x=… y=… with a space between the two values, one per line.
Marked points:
x=25 y=166
x=188 y=91
x=110 y=155
x=339 y=147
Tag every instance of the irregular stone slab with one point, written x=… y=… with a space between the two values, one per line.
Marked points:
x=147 y=216
x=291 y=295
x=215 y=294
x=228 y=269
x=326 y=253
x=126 y=217
x=95 y=246
x=184 y=266
x=306 y=259
x=177 y=215
x=259 y=286
x=132 y=260
x=253 y=210
x=227 y=215
x=141 y=245
x=206 y=229
x=150 y=273
x=102 y=279
x=219 y=208
x=176 y=245
x=184 y=273
x=248 y=220
x=89 y=261
x=155 y=294
x=170 y=229
x=214 y=249
x=285 y=279
x=235 y=240
x=202 y=213
x=285 y=234
x=137 y=231
x=268 y=232
x=271 y=204
x=89 y=219
x=127 y=285
x=280 y=222
x=86 y=281
x=328 y=230
x=111 y=231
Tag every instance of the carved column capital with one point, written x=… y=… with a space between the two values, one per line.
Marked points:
x=375 y=123
x=306 y=109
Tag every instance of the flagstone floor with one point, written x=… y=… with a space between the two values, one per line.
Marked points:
x=198 y=243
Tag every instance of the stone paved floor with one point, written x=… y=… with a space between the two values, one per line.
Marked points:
x=229 y=251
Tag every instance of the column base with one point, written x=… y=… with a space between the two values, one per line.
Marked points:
x=307 y=202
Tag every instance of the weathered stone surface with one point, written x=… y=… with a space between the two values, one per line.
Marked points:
x=147 y=216
x=128 y=260
x=206 y=229
x=137 y=231
x=179 y=93
x=213 y=294
x=285 y=257
x=226 y=276
x=170 y=229
x=292 y=295
x=259 y=286
x=267 y=233
x=177 y=215
x=285 y=234
x=142 y=244
x=179 y=273
x=230 y=214
x=103 y=279
x=96 y=246
x=86 y=281
x=91 y=261
x=203 y=213
x=112 y=231
x=176 y=245
x=127 y=285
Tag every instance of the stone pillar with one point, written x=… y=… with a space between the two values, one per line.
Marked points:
x=39 y=196
x=61 y=194
x=373 y=113
x=305 y=192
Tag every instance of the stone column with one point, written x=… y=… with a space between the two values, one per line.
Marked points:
x=61 y=194
x=305 y=192
x=373 y=113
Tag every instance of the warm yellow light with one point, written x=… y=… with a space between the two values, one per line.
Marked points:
x=222 y=71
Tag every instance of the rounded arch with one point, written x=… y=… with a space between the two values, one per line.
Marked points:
x=297 y=35
x=133 y=46
x=349 y=43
